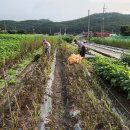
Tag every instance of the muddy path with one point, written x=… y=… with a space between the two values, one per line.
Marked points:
x=62 y=115
x=76 y=104
x=56 y=117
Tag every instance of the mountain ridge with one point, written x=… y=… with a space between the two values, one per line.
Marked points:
x=112 y=23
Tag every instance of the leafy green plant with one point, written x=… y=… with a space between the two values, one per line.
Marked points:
x=11 y=72
x=2 y=82
x=126 y=58
x=114 y=72
x=12 y=82
x=68 y=38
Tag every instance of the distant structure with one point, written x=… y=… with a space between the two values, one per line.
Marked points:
x=95 y=34
x=57 y=33
x=87 y=34
x=65 y=31
x=113 y=35
x=99 y=34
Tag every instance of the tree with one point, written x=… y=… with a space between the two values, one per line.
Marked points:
x=12 y=32
x=3 y=31
x=21 y=32
x=125 y=30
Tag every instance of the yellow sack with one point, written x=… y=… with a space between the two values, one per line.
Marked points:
x=74 y=59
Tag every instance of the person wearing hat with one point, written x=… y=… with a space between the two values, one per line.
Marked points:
x=47 y=47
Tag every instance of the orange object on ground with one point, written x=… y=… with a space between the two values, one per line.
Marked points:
x=74 y=59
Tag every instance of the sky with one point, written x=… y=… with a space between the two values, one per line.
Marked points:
x=58 y=10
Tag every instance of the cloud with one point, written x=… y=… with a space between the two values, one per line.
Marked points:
x=58 y=10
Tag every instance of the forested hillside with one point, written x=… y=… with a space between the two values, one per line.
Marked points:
x=113 y=22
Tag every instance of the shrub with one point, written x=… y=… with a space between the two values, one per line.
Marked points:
x=68 y=38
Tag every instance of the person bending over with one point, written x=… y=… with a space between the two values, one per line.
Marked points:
x=47 y=47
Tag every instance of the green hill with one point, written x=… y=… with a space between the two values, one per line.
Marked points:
x=112 y=23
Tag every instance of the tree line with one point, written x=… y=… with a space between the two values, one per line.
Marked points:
x=113 y=23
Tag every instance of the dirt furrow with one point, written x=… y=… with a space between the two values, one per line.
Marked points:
x=56 y=118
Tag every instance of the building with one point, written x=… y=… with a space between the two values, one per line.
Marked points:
x=85 y=34
x=99 y=34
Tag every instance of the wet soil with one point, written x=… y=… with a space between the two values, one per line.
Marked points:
x=56 y=118
x=62 y=105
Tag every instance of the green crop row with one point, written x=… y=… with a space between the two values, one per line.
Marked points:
x=14 y=71
x=114 y=72
x=15 y=47
x=121 y=43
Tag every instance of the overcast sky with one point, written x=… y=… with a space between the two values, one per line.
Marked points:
x=58 y=10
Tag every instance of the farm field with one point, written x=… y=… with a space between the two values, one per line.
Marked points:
x=104 y=50
x=15 y=47
x=15 y=51
x=120 y=42
x=68 y=98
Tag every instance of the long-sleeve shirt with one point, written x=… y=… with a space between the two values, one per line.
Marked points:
x=46 y=44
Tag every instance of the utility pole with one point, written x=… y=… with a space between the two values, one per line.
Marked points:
x=65 y=31
x=112 y=31
x=60 y=31
x=15 y=29
x=101 y=29
x=33 y=29
x=104 y=9
x=5 y=26
x=50 y=30
x=88 y=22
